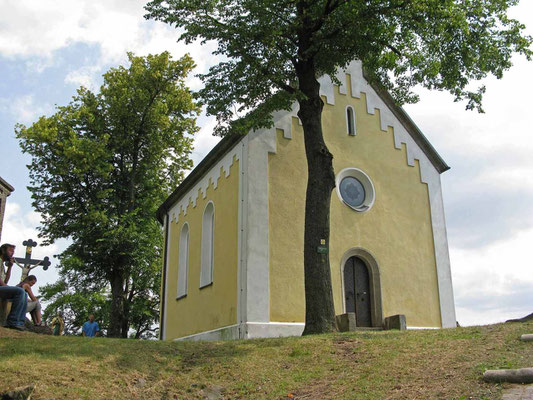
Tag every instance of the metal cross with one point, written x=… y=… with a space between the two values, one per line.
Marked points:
x=28 y=262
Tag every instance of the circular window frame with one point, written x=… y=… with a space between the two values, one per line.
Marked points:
x=370 y=192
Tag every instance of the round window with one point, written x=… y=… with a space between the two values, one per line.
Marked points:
x=352 y=191
x=355 y=189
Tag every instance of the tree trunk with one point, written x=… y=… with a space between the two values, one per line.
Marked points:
x=117 y=304
x=125 y=321
x=319 y=310
x=127 y=307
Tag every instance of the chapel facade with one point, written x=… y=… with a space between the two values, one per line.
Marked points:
x=234 y=229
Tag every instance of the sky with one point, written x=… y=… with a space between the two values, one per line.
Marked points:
x=49 y=48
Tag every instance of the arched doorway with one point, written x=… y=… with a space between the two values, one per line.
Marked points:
x=361 y=287
x=357 y=291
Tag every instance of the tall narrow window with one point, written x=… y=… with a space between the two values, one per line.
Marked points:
x=208 y=236
x=183 y=264
x=350 y=120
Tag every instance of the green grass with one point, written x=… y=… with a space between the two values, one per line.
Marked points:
x=435 y=364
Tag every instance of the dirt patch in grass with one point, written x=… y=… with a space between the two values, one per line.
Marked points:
x=444 y=364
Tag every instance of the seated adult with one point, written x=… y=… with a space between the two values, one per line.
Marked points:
x=17 y=295
x=34 y=307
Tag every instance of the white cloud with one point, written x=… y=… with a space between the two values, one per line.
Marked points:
x=470 y=316
x=36 y=65
x=38 y=29
x=204 y=140
x=493 y=283
x=24 y=109
x=86 y=76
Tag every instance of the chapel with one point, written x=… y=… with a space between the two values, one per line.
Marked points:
x=234 y=228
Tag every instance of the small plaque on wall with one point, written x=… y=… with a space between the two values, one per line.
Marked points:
x=322 y=250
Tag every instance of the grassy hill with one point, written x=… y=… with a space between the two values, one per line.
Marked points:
x=434 y=364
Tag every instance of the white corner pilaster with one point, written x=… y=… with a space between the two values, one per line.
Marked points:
x=442 y=256
x=255 y=298
x=166 y=229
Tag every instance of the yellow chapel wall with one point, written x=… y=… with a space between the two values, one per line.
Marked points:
x=214 y=306
x=397 y=230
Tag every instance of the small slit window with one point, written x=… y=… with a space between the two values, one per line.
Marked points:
x=183 y=263
x=350 y=120
x=208 y=235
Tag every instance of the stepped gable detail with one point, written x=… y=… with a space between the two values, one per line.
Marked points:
x=389 y=114
x=211 y=178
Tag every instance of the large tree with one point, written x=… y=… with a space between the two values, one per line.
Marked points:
x=275 y=50
x=101 y=166
x=76 y=304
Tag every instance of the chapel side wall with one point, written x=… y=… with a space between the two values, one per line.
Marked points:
x=397 y=231
x=214 y=306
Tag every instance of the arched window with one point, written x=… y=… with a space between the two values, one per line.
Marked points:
x=208 y=237
x=183 y=264
x=350 y=120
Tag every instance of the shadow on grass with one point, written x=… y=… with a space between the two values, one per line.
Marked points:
x=129 y=353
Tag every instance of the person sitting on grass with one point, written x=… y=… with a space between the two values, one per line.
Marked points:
x=15 y=319
x=34 y=307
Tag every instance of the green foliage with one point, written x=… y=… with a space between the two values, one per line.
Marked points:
x=75 y=304
x=439 y=44
x=100 y=167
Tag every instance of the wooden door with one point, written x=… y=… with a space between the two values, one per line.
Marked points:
x=357 y=291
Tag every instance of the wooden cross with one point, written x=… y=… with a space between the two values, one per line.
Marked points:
x=29 y=263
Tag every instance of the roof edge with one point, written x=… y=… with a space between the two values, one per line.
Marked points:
x=413 y=130
x=200 y=170
x=6 y=185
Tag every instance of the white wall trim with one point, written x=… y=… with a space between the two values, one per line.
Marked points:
x=226 y=333
x=273 y=329
x=256 y=242
x=261 y=330
x=415 y=328
x=243 y=219
x=253 y=330
x=166 y=229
